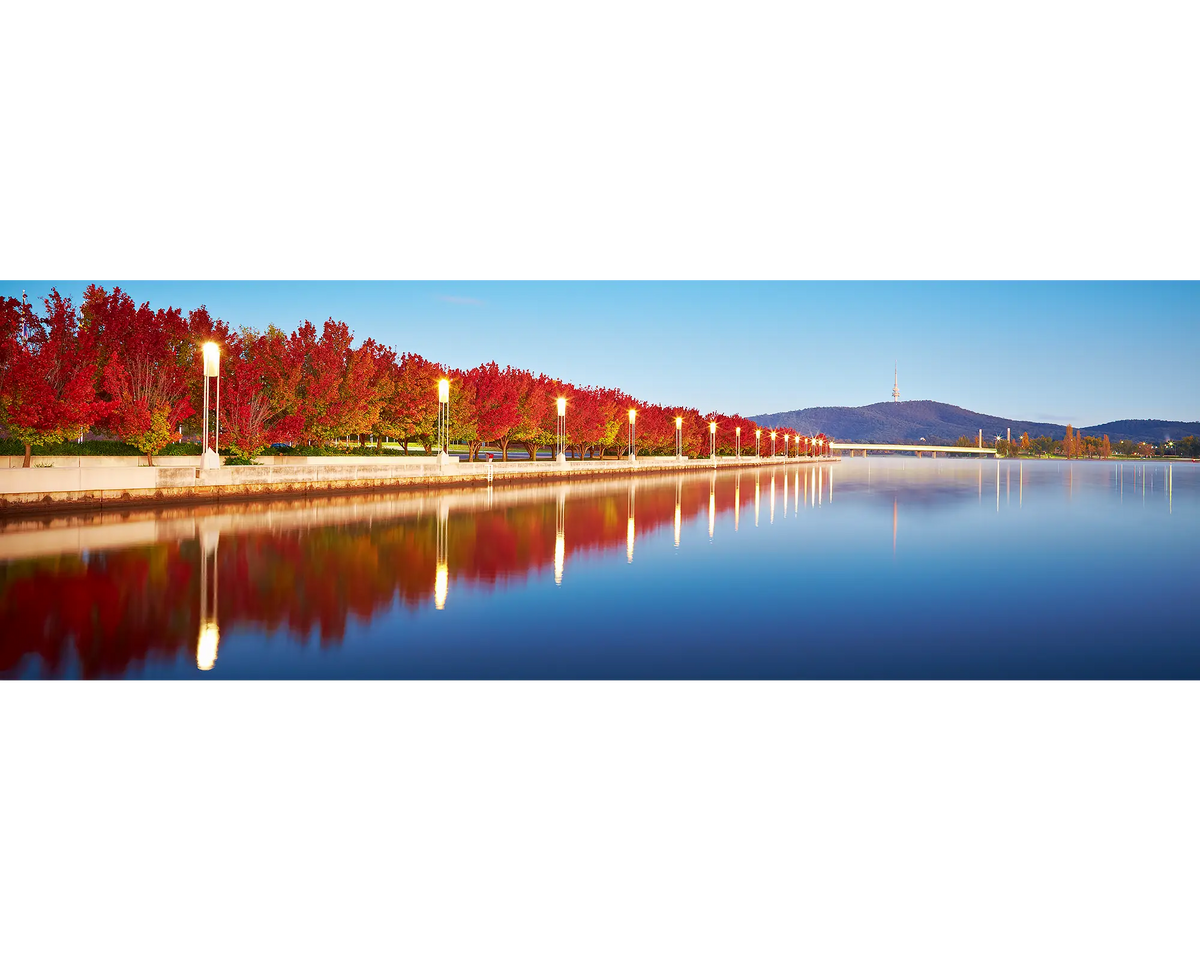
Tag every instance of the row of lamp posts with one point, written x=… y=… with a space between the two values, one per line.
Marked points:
x=212 y=368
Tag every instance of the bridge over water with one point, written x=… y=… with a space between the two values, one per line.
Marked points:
x=913 y=447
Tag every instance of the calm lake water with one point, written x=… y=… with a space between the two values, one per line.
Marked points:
x=881 y=567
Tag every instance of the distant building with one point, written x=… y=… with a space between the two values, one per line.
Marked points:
x=896 y=386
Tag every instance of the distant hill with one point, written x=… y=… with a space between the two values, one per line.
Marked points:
x=1152 y=431
x=910 y=420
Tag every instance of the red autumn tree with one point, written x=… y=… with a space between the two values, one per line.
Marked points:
x=587 y=419
x=146 y=379
x=334 y=388
x=462 y=424
x=491 y=395
x=14 y=319
x=49 y=389
x=534 y=407
x=410 y=411
x=655 y=429
x=365 y=386
x=251 y=418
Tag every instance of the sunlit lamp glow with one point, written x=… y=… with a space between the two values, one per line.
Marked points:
x=632 y=415
x=560 y=555
x=562 y=406
x=443 y=391
x=629 y=540
x=206 y=648
x=712 y=427
x=212 y=359
x=679 y=423
x=441 y=584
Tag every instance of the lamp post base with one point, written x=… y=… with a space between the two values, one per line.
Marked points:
x=561 y=459
x=210 y=460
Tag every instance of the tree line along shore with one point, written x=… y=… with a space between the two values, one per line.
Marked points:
x=112 y=371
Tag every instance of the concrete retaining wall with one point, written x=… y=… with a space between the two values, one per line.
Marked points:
x=89 y=487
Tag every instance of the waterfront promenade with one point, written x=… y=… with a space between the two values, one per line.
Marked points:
x=78 y=484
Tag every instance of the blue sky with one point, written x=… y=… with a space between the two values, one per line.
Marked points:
x=1062 y=352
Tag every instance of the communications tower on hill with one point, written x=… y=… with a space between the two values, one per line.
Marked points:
x=896 y=386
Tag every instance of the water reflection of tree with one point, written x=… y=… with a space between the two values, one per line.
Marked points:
x=105 y=612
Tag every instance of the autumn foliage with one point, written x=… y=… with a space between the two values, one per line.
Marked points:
x=126 y=370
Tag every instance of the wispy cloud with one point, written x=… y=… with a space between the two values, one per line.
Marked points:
x=466 y=301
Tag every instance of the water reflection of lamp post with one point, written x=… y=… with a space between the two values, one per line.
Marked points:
x=629 y=533
x=772 y=496
x=712 y=504
x=562 y=431
x=210 y=634
x=441 y=576
x=678 y=510
x=679 y=438
x=757 y=444
x=443 y=420
x=757 y=486
x=560 y=543
x=632 y=418
x=712 y=441
x=737 y=500
x=212 y=368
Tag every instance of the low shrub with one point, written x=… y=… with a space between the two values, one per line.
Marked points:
x=69 y=448
x=307 y=451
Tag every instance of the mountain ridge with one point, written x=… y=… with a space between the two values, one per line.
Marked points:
x=908 y=421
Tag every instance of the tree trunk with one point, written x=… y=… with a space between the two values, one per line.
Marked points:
x=379 y=443
x=428 y=447
x=473 y=449
x=531 y=449
x=149 y=459
x=28 y=454
x=504 y=450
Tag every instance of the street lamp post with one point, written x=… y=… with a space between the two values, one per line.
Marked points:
x=786 y=445
x=562 y=431
x=757 y=444
x=712 y=441
x=772 y=443
x=679 y=438
x=443 y=420
x=632 y=434
x=737 y=432
x=212 y=368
